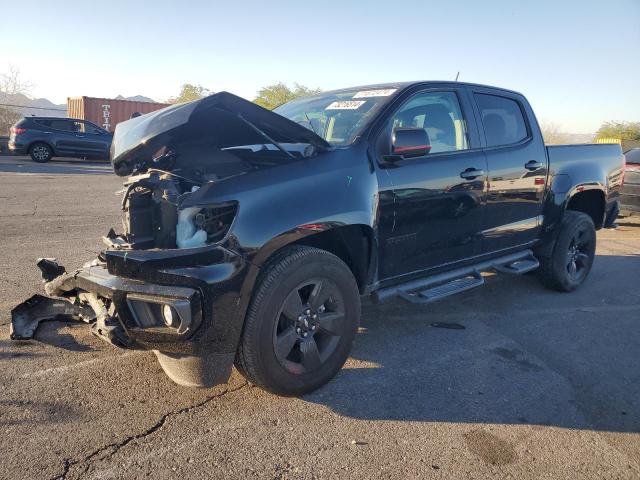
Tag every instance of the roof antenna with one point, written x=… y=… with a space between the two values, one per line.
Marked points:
x=457 y=75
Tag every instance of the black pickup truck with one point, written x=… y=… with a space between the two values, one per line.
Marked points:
x=250 y=235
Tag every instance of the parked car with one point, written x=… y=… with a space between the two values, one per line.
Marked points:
x=250 y=235
x=630 y=198
x=45 y=137
x=4 y=144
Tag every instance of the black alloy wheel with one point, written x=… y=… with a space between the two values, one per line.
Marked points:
x=310 y=324
x=301 y=321
x=566 y=262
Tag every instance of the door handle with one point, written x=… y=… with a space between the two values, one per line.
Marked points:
x=532 y=165
x=471 y=173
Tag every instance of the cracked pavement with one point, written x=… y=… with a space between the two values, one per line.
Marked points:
x=538 y=384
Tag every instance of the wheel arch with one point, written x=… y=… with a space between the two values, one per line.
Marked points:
x=355 y=245
x=591 y=201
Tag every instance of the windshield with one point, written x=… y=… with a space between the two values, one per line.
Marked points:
x=338 y=117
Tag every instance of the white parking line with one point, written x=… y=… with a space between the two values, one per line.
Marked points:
x=86 y=363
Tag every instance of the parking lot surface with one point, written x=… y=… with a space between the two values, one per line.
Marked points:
x=538 y=384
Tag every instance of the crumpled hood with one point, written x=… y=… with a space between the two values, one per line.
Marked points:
x=223 y=119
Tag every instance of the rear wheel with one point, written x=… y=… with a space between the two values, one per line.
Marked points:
x=40 y=152
x=301 y=322
x=570 y=260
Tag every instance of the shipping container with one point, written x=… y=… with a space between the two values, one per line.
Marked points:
x=108 y=112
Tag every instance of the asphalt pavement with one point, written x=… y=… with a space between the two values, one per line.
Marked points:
x=538 y=384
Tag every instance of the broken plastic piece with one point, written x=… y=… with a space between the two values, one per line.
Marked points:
x=49 y=268
x=106 y=327
x=26 y=317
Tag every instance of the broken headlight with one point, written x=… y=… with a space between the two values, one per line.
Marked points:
x=199 y=226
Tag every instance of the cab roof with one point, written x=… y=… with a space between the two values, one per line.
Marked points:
x=405 y=85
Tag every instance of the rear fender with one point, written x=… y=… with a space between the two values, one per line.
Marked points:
x=574 y=170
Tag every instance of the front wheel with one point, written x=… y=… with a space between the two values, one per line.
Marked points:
x=40 y=152
x=570 y=260
x=301 y=322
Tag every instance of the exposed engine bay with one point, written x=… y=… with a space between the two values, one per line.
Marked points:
x=152 y=217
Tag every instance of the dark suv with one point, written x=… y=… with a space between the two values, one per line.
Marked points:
x=45 y=137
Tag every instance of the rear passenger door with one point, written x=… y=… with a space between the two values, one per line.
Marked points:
x=517 y=169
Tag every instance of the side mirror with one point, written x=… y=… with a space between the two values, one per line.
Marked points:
x=410 y=142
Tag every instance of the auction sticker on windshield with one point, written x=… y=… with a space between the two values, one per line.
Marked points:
x=375 y=93
x=346 y=105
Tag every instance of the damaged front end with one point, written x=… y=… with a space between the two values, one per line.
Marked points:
x=165 y=283
x=123 y=312
x=171 y=280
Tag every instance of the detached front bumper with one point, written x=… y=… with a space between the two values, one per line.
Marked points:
x=124 y=312
x=123 y=295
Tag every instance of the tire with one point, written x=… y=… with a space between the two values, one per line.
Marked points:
x=40 y=152
x=567 y=264
x=301 y=322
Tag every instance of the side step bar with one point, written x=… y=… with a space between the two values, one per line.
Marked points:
x=436 y=293
x=435 y=287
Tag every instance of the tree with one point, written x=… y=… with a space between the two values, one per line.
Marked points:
x=12 y=87
x=189 y=92
x=552 y=133
x=620 y=130
x=273 y=96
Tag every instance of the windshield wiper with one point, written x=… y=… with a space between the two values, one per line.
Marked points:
x=269 y=139
x=310 y=124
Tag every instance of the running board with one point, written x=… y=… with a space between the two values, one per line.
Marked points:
x=442 y=291
x=520 y=267
x=435 y=287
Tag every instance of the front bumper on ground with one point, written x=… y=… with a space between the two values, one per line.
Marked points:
x=124 y=312
x=122 y=294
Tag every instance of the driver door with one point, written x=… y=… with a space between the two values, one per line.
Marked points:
x=431 y=206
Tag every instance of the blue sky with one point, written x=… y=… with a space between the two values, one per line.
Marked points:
x=578 y=62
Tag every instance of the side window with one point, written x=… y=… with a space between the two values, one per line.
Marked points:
x=85 y=127
x=440 y=115
x=502 y=120
x=64 y=125
x=43 y=123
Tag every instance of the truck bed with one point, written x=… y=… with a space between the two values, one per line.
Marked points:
x=597 y=154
